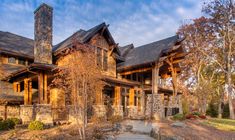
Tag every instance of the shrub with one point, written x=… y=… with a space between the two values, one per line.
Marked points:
x=15 y=120
x=36 y=125
x=178 y=117
x=1 y=119
x=7 y=124
x=115 y=119
x=191 y=116
x=196 y=113
x=202 y=116
x=97 y=134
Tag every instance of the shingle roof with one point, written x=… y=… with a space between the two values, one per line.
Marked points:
x=16 y=44
x=147 y=53
x=125 y=49
x=81 y=36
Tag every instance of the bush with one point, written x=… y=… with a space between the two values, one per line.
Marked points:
x=115 y=119
x=36 y=125
x=7 y=124
x=97 y=134
x=15 y=120
x=178 y=117
x=191 y=116
x=202 y=116
x=196 y=113
x=1 y=119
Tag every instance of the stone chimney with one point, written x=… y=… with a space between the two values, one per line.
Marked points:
x=43 y=34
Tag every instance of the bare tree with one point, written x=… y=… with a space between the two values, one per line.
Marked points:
x=222 y=12
x=80 y=75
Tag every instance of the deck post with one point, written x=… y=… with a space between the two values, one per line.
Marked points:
x=42 y=88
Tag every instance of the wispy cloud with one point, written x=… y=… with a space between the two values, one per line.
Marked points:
x=137 y=22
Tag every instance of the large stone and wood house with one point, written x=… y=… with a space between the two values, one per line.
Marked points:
x=136 y=75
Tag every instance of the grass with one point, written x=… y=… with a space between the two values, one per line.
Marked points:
x=222 y=124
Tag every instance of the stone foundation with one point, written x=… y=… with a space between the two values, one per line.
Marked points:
x=117 y=110
x=99 y=110
x=27 y=113
x=74 y=114
x=158 y=106
x=132 y=111
x=7 y=111
x=44 y=114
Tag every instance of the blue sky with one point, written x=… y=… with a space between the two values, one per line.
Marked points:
x=131 y=21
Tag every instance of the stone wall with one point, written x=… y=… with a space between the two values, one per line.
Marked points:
x=132 y=111
x=117 y=110
x=27 y=113
x=174 y=103
x=13 y=112
x=74 y=114
x=158 y=106
x=2 y=111
x=44 y=113
x=99 y=110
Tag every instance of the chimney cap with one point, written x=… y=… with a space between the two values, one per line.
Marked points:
x=42 y=5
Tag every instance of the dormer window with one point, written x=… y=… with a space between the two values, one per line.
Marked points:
x=12 y=60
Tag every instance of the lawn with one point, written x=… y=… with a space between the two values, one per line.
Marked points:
x=222 y=124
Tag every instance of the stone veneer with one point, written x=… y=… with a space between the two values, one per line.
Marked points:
x=7 y=111
x=99 y=110
x=158 y=106
x=27 y=113
x=117 y=110
x=132 y=111
x=39 y=112
x=177 y=103
x=74 y=114
x=44 y=113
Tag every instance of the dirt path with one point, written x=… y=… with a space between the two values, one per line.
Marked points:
x=194 y=130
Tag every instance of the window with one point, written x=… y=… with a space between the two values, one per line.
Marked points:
x=99 y=56
x=21 y=62
x=12 y=60
x=105 y=60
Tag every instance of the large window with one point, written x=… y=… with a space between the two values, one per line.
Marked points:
x=105 y=60
x=99 y=57
x=102 y=58
x=12 y=60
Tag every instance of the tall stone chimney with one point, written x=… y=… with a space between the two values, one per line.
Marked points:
x=43 y=34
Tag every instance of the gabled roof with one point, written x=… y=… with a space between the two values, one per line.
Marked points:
x=125 y=49
x=147 y=53
x=83 y=36
x=13 y=43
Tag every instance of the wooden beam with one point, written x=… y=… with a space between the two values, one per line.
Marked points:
x=135 y=71
x=131 y=97
x=117 y=95
x=45 y=96
x=26 y=91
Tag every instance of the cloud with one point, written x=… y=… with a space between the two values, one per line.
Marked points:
x=137 y=22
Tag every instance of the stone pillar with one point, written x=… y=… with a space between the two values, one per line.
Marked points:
x=44 y=114
x=27 y=113
x=158 y=106
x=99 y=109
x=117 y=107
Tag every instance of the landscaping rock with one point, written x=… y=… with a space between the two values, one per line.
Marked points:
x=178 y=124
x=128 y=128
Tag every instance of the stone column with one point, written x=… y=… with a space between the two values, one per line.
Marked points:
x=27 y=113
x=99 y=108
x=117 y=107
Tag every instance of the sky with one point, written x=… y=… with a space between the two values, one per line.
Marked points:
x=130 y=21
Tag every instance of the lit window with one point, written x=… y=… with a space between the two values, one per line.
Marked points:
x=99 y=56
x=12 y=60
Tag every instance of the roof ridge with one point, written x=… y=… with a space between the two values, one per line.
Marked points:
x=155 y=41
x=17 y=35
